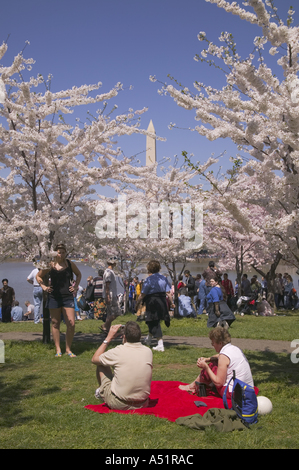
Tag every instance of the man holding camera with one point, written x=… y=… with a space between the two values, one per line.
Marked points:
x=132 y=362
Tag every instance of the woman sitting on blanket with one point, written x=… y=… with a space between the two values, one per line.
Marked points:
x=218 y=370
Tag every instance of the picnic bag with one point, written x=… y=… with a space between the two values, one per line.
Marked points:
x=89 y=293
x=244 y=401
x=83 y=304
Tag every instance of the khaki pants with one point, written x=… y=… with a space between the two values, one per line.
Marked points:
x=112 y=400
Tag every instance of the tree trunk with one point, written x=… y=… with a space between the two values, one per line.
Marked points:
x=270 y=277
x=239 y=270
x=126 y=304
x=46 y=315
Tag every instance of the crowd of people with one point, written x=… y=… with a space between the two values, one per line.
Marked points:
x=11 y=309
x=152 y=299
x=206 y=293
x=213 y=292
x=197 y=295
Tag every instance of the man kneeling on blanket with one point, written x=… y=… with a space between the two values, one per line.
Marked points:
x=132 y=363
x=218 y=370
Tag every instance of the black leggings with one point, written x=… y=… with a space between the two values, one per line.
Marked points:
x=154 y=328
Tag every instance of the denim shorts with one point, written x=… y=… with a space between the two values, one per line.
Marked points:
x=66 y=301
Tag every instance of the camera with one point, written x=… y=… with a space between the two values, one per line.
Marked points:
x=121 y=329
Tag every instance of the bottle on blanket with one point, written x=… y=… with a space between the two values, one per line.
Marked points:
x=200 y=389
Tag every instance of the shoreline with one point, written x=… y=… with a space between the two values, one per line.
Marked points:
x=22 y=260
x=14 y=260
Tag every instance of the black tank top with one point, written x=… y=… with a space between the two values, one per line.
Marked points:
x=61 y=281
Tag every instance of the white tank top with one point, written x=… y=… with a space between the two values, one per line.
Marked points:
x=237 y=363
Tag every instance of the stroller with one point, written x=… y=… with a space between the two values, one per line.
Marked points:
x=247 y=304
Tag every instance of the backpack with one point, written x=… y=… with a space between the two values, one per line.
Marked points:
x=83 y=304
x=244 y=401
x=89 y=293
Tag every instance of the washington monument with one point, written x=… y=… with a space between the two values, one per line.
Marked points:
x=150 y=146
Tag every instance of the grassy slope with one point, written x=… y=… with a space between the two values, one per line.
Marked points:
x=43 y=398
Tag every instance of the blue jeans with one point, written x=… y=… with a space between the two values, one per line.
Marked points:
x=202 y=305
x=287 y=301
x=131 y=305
x=38 y=299
x=77 y=310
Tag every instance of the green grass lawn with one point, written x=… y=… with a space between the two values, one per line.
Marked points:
x=42 y=398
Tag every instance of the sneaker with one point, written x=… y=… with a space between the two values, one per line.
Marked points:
x=97 y=394
x=223 y=324
x=159 y=348
x=147 y=341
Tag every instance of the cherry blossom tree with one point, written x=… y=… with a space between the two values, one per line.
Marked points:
x=241 y=250
x=48 y=167
x=155 y=216
x=258 y=110
x=239 y=231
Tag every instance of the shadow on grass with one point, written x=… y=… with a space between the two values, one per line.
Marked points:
x=270 y=367
x=17 y=385
x=12 y=396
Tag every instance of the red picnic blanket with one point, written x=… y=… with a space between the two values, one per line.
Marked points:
x=168 y=401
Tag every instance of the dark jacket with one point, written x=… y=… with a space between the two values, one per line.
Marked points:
x=191 y=286
x=7 y=296
x=156 y=307
x=211 y=273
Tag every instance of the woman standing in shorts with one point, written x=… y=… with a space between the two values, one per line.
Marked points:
x=60 y=296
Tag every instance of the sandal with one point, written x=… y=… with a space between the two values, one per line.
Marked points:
x=70 y=354
x=58 y=354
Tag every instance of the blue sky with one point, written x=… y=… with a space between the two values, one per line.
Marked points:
x=83 y=42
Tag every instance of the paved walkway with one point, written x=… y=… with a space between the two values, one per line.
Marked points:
x=200 y=342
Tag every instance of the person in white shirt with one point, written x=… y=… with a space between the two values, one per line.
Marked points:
x=29 y=315
x=218 y=370
x=37 y=295
x=110 y=295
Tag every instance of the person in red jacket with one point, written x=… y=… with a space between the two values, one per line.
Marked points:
x=227 y=284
